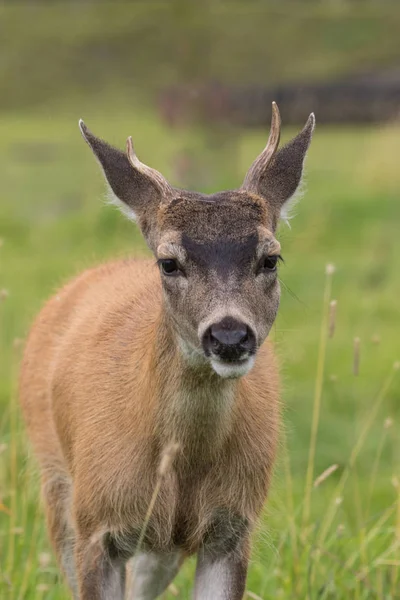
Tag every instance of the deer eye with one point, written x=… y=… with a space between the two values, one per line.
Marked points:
x=169 y=266
x=269 y=263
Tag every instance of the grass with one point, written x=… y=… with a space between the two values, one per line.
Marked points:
x=339 y=539
x=59 y=50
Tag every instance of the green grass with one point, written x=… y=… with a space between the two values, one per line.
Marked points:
x=53 y=223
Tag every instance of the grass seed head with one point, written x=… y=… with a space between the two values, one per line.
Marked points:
x=330 y=269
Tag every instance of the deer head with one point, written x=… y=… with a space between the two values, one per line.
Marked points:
x=217 y=254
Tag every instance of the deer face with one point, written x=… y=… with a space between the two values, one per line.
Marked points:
x=218 y=255
x=218 y=261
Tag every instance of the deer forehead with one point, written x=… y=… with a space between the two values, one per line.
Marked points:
x=232 y=216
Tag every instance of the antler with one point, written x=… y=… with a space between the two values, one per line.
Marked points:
x=260 y=164
x=153 y=175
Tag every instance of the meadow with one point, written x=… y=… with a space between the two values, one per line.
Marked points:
x=331 y=527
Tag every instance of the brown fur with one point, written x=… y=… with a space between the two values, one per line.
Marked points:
x=94 y=400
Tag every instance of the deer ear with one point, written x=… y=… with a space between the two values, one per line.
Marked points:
x=276 y=174
x=136 y=188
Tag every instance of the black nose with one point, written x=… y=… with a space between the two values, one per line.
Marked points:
x=229 y=339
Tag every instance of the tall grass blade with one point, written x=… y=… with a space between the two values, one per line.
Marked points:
x=317 y=394
x=331 y=512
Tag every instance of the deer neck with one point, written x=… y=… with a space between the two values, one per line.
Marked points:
x=196 y=406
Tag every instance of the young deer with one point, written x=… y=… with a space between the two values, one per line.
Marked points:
x=131 y=357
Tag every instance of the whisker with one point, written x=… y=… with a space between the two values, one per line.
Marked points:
x=293 y=295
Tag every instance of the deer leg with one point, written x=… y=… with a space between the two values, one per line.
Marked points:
x=56 y=492
x=222 y=561
x=152 y=573
x=220 y=577
x=101 y=576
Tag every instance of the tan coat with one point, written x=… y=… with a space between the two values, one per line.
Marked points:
x=104 y=391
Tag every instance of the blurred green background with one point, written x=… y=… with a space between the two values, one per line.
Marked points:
x=166 y=73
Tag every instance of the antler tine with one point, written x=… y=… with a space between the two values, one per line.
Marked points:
x=158 y=179
x=262 y=161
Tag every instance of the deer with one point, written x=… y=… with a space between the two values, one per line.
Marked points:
x=142 y=374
